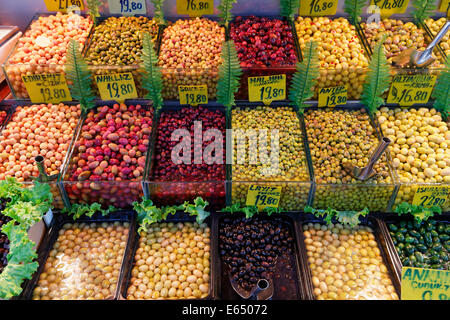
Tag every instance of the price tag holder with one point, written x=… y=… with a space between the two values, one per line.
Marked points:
x=431 y=196
x=330 y=97
x=407 y=90
x=267 y=89
x=127 y=7
x=193 y=95
x=195 y=8
x=390 y=7
x=425 y=284
x=47 y=88
x=445 y=7
x=117 y=86
x=317 y=8
x=263 y=196
x=63 y=5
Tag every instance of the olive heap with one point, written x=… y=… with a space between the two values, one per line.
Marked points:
x=190 y=54
x=172 y=262
x=420 y=147
x=435 y=26
x=292 y=175
x=337 y=137
x=3 y=115
x=84 y=263
x=346 y=263
x=342 y=59
x=43 y=47
x=422 y=245
x=252 y=247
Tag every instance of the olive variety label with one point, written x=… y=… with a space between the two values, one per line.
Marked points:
x=63 y=5
x=390 y=7
x=195 y=8
x=330 y=97
x=407 y=90
x=425 y=284
x=317 y=8
x=127 y=7
x=445 y=6
x=193 y=95
x=267 y=89
x=263 y=196
x=47 y=88
x=117 y=86
x=431 y=196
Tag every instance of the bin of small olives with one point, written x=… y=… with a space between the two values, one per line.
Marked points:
x=190 y=54
x=172 y=260
x=268 y=150
x=43 y=47
x=337 y=136
x=115 y=46
x=434 y=25
x=420 y=149
x=347 y=263
x=82 y=259
x=343 y=57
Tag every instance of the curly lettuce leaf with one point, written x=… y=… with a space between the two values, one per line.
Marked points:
x=419 y=213
x=77 y=210
x=350 y=218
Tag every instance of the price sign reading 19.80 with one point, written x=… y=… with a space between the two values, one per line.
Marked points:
x=425 y=284
x=193 y=95
x=118 y=86
x=407 y=90
x=195 y=8
x=390 y=7
x=127 y=7
x=63 y=5
x=47 y=88
x=317 y=8
x=267 y=89
x=431 y=196
x=330 y=97
x=263 y=196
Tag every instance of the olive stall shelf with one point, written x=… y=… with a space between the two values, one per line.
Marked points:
x=432 y=26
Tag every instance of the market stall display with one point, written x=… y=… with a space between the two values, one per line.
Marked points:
x=172 y=261
x=435 y=25
x=277 y=129
x=43 y=47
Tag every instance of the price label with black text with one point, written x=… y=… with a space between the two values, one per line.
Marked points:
x=263 y=196
x=63 y=5
x=390 y=7
x=267 y=89
x=330 y=97
x=193 y=95
x=431 y=196
x=195 y=8
x=127 y=7
x=117 y=86
x=47 y=88
x=407 y=90
x=425 y=284
x=317 y=8
x=445 y=7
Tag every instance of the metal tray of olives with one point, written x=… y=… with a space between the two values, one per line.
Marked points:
x=59 y=220
x=408 y=221
x=371 y=222
x=134 y=245
x=287 y=276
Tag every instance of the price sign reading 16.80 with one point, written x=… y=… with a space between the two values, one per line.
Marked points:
x=195 y=8
x=407 y=90
x=317 y=8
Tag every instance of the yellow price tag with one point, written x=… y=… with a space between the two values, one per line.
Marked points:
x=195 y=8
x=47 y=88
x=117 y=86
x=390 y=7
x=317 y=8
x=63 y=5
x=267 y=89
x=127 y=7
x=330 y=97
x=431 y=196
x=263 y=196
x=407 y=90
x=425 y=284
x=445 y=6
x=193 y=95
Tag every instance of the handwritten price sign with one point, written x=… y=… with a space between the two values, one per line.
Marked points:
x=195 y=8
x=127 y=7
x=263 y=196
x=445 y=7
x=47 y=88
x=118 y=87
x=315 y=8
x=431 y=196
x=267 y=89
x=193 y=95
x=390 y=7
x=63 y=5
x=407 y=90
x=425 y=284
x=330 y=97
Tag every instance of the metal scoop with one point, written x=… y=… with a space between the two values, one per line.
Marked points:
x=263 y=290
x=367 y=172
x=43 y=176
x=421 y=59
